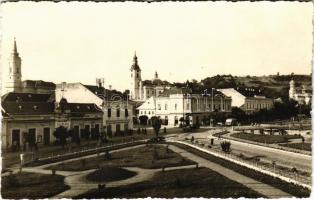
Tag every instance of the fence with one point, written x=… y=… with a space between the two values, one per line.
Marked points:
x=83 y=152
x=271 y=171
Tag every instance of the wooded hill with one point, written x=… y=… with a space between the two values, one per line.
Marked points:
x=273 y=86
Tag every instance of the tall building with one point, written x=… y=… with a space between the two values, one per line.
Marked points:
x=303 y=94
x=14 y=82
x=141 y=90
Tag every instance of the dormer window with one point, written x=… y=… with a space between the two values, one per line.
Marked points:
x=20 y=107
x=35 y=107
x=29 y=96
x=88 y=107
x=77 y=107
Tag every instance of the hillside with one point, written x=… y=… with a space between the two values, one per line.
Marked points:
x=272 y=86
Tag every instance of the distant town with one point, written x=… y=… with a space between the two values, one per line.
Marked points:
x=45 y=123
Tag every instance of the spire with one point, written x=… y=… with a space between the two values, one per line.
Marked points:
x=135 y=58
x=156 y=75
x=15 y=47
x=135 y=63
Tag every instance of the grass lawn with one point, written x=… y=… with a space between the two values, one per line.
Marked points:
x=305 y=146
x=290 y=188
x=12 y=158
x=269 y=139
x=201 y=182
x=220 y=133
x=31 y=186
x=109 y=174
x=148 y=157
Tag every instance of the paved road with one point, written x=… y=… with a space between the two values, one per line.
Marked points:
x=285 y=158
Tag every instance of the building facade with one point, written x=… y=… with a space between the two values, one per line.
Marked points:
x=249 y=100
x=30 y=118
x=175 y=105
x=117 y=109
x=303 y=94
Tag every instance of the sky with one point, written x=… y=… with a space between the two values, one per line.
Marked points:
x=77 y=42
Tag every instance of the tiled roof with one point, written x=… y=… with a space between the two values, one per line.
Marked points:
x=83 y=108
x=104 y=93
x=26 y=97
x=28 y=108
x=250 y=92
x=175 y=90
x=39 y=83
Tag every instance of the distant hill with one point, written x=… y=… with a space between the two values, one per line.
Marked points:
x=272 y=86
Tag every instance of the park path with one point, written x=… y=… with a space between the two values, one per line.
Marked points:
x=262 y=188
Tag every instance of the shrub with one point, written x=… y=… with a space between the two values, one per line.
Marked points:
x=225 y=146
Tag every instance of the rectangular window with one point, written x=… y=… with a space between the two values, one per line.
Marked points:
x=159 y=107
x=175 y=106
x=109 y=112
x=126 y=112
x=166 y=106
x=118 y=112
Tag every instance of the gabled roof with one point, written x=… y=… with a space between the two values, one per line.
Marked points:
x=105 y=93
x=27 y=97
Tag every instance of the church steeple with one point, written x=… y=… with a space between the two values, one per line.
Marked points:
x=15 y=47
x=135 y=63
x=15 y=75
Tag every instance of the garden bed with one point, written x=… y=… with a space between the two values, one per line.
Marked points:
x=31 y=186
x=148 y=157
x=106 y=174
x=301 y=146
x=268 y=139
x=290 y=188
x=183 y=183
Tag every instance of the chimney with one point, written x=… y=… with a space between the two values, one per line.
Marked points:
x=110 y=87
x=100 y=82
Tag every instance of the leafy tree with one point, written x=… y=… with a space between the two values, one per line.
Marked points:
x=238 y=113
x=156 y=123
x=61 y=134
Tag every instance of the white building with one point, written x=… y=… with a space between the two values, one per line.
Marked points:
x=249 y=100
x=118 y=111
x=175 y=104
x=302 y=95
x=141 y=90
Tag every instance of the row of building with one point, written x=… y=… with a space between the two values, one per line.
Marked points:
x=32 y=110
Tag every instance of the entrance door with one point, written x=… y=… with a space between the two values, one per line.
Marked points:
x=118 y=129
x=76 y=132
x=46 y=136
x=109 y=131
x=16 y=137
x=32 y=136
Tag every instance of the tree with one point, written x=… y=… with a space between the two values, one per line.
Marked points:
x=156 y=123
x=238 y=114
x=143 y=119
x=61 y=134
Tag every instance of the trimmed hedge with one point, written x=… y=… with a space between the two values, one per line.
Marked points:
x=295 y=190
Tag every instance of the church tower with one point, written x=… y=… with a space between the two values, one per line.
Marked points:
x=135 y=79
x=14 y=82
x=292 y=89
